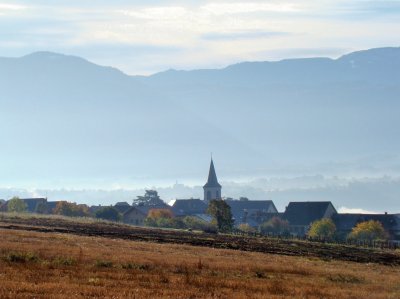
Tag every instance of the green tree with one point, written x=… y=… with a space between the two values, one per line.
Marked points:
x=368 y=231
x=108 y=213
x=16 y=204
x=221 y=213
x=275 y=225
x=322 y=229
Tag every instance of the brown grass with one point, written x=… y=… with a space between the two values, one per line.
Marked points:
x=83 y=227
x=51 y=265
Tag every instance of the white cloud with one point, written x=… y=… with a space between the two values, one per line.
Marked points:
x=9 y=9
x=156 y=13
x=249 y=7
x=208 y=34
x=7 y=6
x=345 y=210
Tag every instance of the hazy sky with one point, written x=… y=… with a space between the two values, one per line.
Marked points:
x=142 y=37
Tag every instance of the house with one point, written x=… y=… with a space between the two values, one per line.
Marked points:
x=135 y=215
x=33 y=204
x=345 y=223
x=189 y=207
x=252 y=212
x=94 y=209
x=122 y=207
x=300 y=215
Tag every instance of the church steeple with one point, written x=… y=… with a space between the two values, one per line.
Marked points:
x=212 y=177
x=212 y=189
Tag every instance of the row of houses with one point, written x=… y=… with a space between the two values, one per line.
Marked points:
x=300 y=215
x=33 y=205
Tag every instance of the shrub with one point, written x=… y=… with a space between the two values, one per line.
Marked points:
x=246 y=228
x=194 y=223
x=104 y=264
x=275 y=225
x=368 y=231
x=21 y=257
x=17 y=205
x=130 y=266
x=64 y=261
x=322 y=229
x=210 y=228
x=341 y=278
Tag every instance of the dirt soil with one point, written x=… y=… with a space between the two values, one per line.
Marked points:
x=252 y=244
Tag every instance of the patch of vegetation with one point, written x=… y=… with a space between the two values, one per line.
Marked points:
x=94 y=280
x=104 y=264
x=130 y=266
x=341 y=278
x=21 y=257
x=260 y=273
x=63 y=261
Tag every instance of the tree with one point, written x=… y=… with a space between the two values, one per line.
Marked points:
x=16 y=204
x=275 y=225
x=368 y=231
x=108 y=213
x=322 y=229
x=163 y=218
x=160 y=213
x=150 y=198
x=221 y=213
x=71 y=209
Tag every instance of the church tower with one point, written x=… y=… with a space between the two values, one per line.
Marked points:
x=212 y=189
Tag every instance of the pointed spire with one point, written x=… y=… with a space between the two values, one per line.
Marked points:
x=212 y=177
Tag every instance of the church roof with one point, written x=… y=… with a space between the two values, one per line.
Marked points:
x=240 y=208
x=304 y=213
x=212 y=178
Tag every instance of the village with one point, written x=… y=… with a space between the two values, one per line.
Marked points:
x=192 y=213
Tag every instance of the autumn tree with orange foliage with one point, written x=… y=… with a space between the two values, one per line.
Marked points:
x=71 y=209
x=163 y=218
x=160 y=213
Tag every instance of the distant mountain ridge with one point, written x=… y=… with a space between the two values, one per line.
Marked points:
x=65 y=117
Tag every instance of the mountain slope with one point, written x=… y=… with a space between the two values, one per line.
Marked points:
x=65 y=117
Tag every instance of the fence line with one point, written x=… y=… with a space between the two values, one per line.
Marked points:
x=380 y=244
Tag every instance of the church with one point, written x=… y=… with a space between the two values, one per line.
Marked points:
x=243 y=210
x=212 y=189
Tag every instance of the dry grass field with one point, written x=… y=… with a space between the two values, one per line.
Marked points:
x=54 y=265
